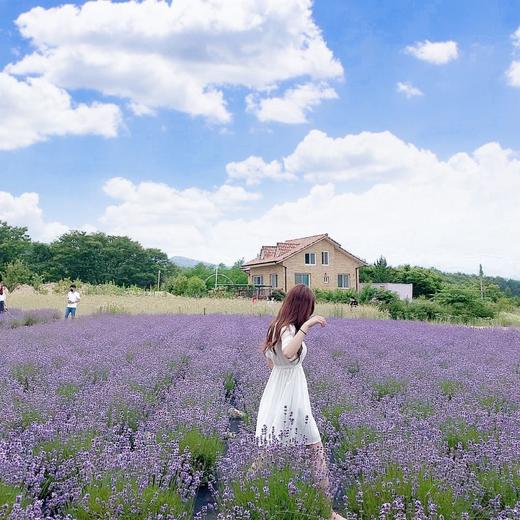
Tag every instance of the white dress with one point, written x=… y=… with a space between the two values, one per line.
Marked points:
x=285 y=407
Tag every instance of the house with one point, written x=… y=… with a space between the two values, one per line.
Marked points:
x=317 y=261
x=403 y=290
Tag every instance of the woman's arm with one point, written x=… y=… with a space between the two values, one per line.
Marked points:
x=291 y=344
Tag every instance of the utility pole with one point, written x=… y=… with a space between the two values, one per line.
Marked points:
x=481 y=276
x=159 y=280
x=216 y=276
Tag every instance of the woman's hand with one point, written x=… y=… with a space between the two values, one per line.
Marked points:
x=314 y=320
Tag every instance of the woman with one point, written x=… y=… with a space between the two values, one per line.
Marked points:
x=3 y=297
x=285 y=413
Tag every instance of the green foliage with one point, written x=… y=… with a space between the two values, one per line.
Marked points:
x=177 y=285
x=419 y=486
x=25 y=374
x=63 y=449
x=278 y=295
x=333 y=412
x=353 y=439
x=370 y=294
x=204 y=449
x=229 y=383
x=14 y=243
x=450 y=388
x=139 y=504
x=465 y=303
x=418 y=409
x=503 y=483
x=458 y=433
x=17 y=273
x=388 y=388
x=67 y=390
x=335 y=295
x=281 y=495
x=497 y=404
x=8 y=495
x=195 y=287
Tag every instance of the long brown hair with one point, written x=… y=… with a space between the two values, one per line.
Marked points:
x=297 y=307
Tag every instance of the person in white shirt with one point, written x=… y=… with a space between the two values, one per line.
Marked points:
x=73 y=297
x=3 y=297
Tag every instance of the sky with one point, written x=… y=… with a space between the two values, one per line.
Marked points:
x=209 y=128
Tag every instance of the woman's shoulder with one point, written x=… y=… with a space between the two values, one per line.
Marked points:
x=291 y=328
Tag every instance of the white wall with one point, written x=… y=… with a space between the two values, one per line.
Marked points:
x=403 y=290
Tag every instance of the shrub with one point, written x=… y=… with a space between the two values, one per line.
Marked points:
x=465 y=303
x=278 y=295
x=195 y=287
x=335 y=295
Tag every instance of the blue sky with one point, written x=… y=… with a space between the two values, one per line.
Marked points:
x=465 y=103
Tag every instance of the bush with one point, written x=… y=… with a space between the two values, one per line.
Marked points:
x=278 y=295
x=177 y=285
x=465 y=303
x=335 y=295
x=195 y=287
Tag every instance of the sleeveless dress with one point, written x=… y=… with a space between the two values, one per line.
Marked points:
x=285 y=412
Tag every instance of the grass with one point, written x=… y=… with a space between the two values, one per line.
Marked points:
x=106 y=494
x=164 y=303
x=393 y=483
x=282 y=496
x=388 y=388
x=8 y=496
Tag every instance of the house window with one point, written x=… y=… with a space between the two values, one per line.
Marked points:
x=344 y=281
x=324 y=258
x=274 y=281
x=310 y=258
x=304 y=278
x=325 y=278
x=258 y=280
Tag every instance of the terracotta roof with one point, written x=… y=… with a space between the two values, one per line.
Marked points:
x=283 y=250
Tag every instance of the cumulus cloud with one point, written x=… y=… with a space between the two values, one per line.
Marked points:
x=162 y=216
x=415 y=207
x=513 y=73
x=177 y=55
x=366 y=156
x=408 y=90
x=24 y=210
x=438 y=53
x=293 y=106
x=34 y=109
x=254 y=169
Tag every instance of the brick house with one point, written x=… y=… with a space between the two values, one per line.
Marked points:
x=317 y=261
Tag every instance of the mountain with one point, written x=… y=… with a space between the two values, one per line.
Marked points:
x=184 y=261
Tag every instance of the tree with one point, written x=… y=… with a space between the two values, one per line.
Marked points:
x=14 y=243
x=17 y=273
x=195 y=287
x=425 y=281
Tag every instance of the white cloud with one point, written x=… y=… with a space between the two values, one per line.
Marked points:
x=368 y=155
x=293 y=106
x=438 y=53
x=408 y=90
x=415 y=208
x=177 y=55
x=25 y=210
x=513 y=73
x=160 y=215
x=254 y=169
x=33 y=110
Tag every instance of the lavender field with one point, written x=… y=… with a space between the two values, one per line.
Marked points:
x=114 y=416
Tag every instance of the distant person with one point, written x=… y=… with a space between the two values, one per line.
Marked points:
x=3 y=297
x=73 y=298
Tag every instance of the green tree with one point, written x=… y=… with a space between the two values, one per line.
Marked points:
x=425 y=281
x=14 y=243
x=195 y=287
x=17 y=273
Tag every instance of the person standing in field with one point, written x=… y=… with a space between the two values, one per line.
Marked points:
x=3 y=297
x=73 y=298
x=285 y=413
